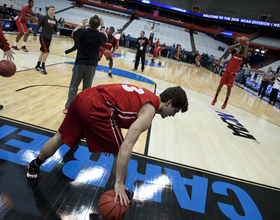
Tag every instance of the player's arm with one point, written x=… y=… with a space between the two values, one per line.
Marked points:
x=141 y=124
x=81 y=25
x=56 y=30
x=246 y=49
x=37 y=28
x=103 y=28
x=231 y=48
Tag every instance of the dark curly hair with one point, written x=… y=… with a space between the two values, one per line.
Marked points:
x=178 y=97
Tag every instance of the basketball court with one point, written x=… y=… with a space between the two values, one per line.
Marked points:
x=207 y=163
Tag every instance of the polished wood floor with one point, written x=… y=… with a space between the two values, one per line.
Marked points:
x=240 y=142
x=42 y=105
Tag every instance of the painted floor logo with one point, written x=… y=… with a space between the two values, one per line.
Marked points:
x=237 y=128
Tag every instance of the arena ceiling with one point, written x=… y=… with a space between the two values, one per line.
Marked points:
x=249 y=9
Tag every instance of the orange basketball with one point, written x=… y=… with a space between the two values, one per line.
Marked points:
x=35 y=20
x=109 y=209
x=7 y=68
x=265 y=78
x=243 y=40
x=107 y=53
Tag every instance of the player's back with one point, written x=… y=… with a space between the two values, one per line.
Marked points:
x=127 y=100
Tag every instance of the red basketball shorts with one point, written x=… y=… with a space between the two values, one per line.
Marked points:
x=89 y=117
x=22 y=29
x=228 y=78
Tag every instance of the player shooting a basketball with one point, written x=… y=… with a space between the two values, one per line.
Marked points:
x=237 y=58
x=111 y=43
x=99 y=113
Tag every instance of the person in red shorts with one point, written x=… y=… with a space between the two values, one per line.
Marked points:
x=111 y=43
x=157 y=53
x=99 y=113
x=228 y=77
x=25 y=13
x=177 y=55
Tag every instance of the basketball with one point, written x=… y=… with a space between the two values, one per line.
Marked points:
x=7 y=68
x=265 y=78
x=107 y=53
x=109 y=209
x=35 y=20
x=243 y=40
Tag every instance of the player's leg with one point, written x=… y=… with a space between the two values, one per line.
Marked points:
x=25 y=37
x=69 y=133
x=265 y=84
x=110 y=66
x=77 y=76
x=137 y=58
x=227 y=97
x=20 y=34
x=89 y=72
x=217 y=93
x=49 y=149
x=143 y=62
x=44 y=59
x=37 y=67
x=45 y=45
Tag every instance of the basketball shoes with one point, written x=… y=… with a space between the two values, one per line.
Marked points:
x=129 y=194
x=37 y=68
x=214 y=102
x=110 y=75
x=32 y=170
x=43 y=70
x=65 y=110
x=1 y=107
x=15 y=48
x=24 y=49
x=224 y=105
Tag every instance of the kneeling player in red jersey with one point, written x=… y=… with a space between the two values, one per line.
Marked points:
x=157 y=54
x=99 y=113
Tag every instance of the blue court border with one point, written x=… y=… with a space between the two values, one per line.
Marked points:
x=125 y=74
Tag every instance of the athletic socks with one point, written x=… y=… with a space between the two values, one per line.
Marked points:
x=43 y=65
x=37 y=162
x=216 y=96
x=39 y=63
x=226 y=100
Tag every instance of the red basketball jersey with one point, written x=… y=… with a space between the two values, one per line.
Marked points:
x=126 y=101
x=109 y=44
x=157 y=45
x=25 y=11
x=235 y=62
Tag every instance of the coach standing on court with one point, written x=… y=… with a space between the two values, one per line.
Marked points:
x=142 y=43
x=89 y=41
x=48 y=24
